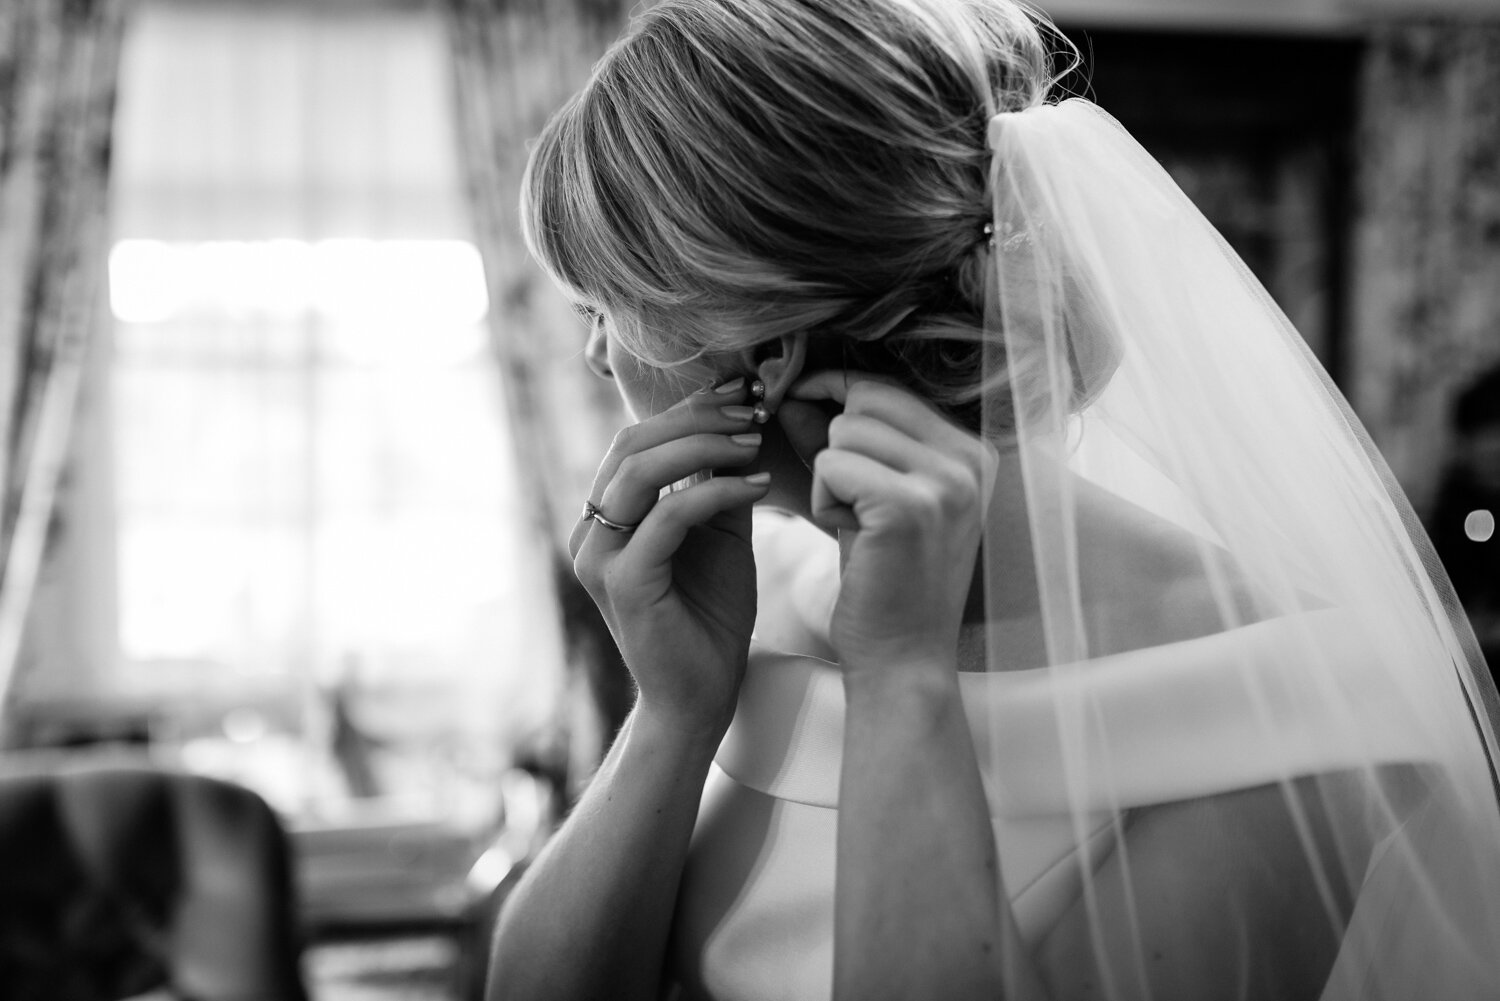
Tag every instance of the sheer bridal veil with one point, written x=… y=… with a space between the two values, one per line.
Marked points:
x=1236 y=615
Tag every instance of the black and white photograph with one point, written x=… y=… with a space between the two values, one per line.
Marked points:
x=749 y=500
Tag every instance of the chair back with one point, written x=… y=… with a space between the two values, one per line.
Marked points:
x=120 y=880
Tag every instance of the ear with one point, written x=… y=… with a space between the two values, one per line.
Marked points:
x=778 y=364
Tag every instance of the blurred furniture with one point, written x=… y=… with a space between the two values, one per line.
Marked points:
x=120 y=880
x=393 y=880
x=387 y=876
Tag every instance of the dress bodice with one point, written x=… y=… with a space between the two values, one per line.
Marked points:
x=1063 y=752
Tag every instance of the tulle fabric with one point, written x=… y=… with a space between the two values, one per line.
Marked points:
x=1233 y=594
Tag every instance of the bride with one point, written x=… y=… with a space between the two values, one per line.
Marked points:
x=1136 y=678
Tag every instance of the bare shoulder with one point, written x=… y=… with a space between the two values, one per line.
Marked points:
x=1199 y=891
x=1163 y=584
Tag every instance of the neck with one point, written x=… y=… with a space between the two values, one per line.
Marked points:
x=1004 y=584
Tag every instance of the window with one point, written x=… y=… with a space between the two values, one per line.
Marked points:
x=320 y=549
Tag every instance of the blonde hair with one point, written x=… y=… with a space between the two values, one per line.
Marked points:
x=736 y=170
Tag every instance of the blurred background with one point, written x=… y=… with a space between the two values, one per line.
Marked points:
x=291 y=433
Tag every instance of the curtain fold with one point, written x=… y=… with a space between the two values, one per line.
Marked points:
x=515 y=63
x=1427 y=244
x=59 y=62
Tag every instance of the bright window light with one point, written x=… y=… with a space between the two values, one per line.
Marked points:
x=141 y=281
x=391 y=281
x=310 y=497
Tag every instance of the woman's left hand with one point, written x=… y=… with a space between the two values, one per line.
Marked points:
x=913 y=487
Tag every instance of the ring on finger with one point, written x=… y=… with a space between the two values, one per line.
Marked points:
x=591 y=511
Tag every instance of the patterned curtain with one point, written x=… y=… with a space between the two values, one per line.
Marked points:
x=1427 y=260
x=58 y=63
x=516 y=61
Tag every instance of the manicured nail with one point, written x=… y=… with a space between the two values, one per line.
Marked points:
x=732 y=386
x=738 y=413
x=745 y=439
x=758 y=479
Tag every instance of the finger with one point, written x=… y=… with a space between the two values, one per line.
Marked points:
x=920 y=440
x=717 y=411
x=640 y=478
x=665 y=528
x=842 y=482
x=833 y=384
x=576 y=537
x=711 y=409
x=836 y=518
x=881 y=397
x=881 y=441
x=630 y=499
x=963 y=463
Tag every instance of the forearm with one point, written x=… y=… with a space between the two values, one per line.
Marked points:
x=591 y=917
x=920 y=908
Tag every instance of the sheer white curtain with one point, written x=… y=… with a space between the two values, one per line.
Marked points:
x=315 y=495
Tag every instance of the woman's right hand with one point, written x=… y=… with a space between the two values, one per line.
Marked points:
x=678 y=592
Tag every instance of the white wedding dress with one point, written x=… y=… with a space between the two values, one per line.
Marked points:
x=755 y=912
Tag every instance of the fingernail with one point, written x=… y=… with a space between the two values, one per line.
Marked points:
x=745 y=439
x=738 y=413
x=758 y=479
x=732 y=386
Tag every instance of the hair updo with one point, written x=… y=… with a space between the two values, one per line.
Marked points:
x=736 y=170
